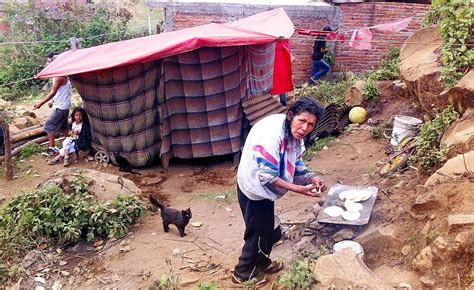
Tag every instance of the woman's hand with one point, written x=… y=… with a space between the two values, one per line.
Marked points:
x=319 y=183
x=309 y=190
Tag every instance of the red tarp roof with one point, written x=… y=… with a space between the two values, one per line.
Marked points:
x=260 y=28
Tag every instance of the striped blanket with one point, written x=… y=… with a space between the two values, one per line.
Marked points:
x=122 y=105
x=186 y=106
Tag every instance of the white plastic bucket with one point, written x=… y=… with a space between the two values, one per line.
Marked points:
x=404 y=126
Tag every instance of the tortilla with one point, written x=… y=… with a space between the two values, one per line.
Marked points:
x=355 y=195
x=352 y=206
x=351 y=215
x=333 y=211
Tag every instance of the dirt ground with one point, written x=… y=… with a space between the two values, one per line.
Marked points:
x=209 y=252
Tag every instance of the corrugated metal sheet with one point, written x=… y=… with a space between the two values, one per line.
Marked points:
x=259 y=107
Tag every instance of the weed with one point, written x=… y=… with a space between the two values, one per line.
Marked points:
x=327 y=92
x=227 y=196
x=314 y=255
x=389 y=66
x=378 y=131
x=206 y=286
x=300 y=276
x=430 y=235
x=318 y=145
x=428 y=151
x=30 y=150
x=51 y=213
x=250 y=284
x=412 y=238
x=370 y=92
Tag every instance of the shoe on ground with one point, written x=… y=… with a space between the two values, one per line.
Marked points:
x=55 y=160
x=273 y=267
x=52 y=151
x=67 y=161
x=260 y=281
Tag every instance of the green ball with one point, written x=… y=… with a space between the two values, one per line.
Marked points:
x=358 y=115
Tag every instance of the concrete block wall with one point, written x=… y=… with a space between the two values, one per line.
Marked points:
x=345 y=18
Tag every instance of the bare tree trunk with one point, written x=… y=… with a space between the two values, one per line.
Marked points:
x=7 y=150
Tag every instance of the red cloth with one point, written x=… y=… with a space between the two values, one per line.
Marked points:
x=282 y=81
x=260 y=28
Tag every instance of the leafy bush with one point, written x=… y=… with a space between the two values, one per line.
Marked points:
x=43 y=30
x=327 y=92
x=206 y=286
x=370 y=92
x=428 y=153
x=455 y=20
x=299 y=276
x=49 y=212
x=389 y=66
x=318 y=145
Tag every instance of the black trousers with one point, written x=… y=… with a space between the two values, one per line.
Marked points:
x=259 y=236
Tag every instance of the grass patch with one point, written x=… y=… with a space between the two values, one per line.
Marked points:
x=318 y=145
x=30 y=150
x=227 y=196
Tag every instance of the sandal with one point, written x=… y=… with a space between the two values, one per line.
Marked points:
x=273 y=267
x=260 y=281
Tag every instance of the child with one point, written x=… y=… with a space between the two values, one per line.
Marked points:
x=79 y=134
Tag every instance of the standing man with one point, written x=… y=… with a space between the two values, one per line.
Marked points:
x=59 y=98
x=320 y=67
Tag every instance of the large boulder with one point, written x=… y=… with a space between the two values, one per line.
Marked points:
x=454 y=167
x=103 y=186
x=462 y=94
x=421 y=69
x=345 y=269
x=353 y=96
x=460 y=135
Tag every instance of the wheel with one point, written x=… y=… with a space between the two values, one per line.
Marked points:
x=395 y=164
x=102 y=157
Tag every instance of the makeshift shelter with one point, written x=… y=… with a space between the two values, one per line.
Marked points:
x=179 y=93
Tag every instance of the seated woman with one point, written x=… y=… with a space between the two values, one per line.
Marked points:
x=79 y=137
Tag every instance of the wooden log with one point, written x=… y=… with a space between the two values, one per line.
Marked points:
x=7 y=150
x=26 y=129
x=28 y=135
x=37 y=140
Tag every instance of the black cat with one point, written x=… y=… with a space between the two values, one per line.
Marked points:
x=179 y=218
x=123 y=163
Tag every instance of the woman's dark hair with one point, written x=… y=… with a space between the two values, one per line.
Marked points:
x=85 y=119
x=327 y=28
x=303 y=104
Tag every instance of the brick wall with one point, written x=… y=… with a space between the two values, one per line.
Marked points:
x=369 y=14
x=343 y=17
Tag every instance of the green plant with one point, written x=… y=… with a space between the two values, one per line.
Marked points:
x=318 y=145
x=378 y=131
x=428 y=151
x=300 y=276
x=370 y=92
x=227 y=196
x=314 y=255
x=327 y=92
x=329 y=58
x=51 y=213
x=455 y=20
x=30 y=150
x=389 y=66
x=206 y=286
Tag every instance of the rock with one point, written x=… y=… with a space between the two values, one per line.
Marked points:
x=344 y=234
x=380 y=240
x=424 y=260
x=31 y=258
x=153 y=180
x=20 y=123
x=4 y=104
x=111 y=184
x=460 y=135
x=345 y=268
x=442 y=250
x=427 y=281
x=31 y=121
x=428 y=201
x=461 y=96
x=316 y=226
x=353 y=96
x=393 y=89
x=459 y=220
x=29 y=114
x=456 y=166
x=426 y=228
x=65 y=273
x=420 y=68
x=464 y=241
x=406 y=250
x=304 y=243
x=316 y=209
x=188 y=282
x=395 y=275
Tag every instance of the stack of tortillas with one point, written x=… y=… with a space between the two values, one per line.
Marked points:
x=352 y=205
